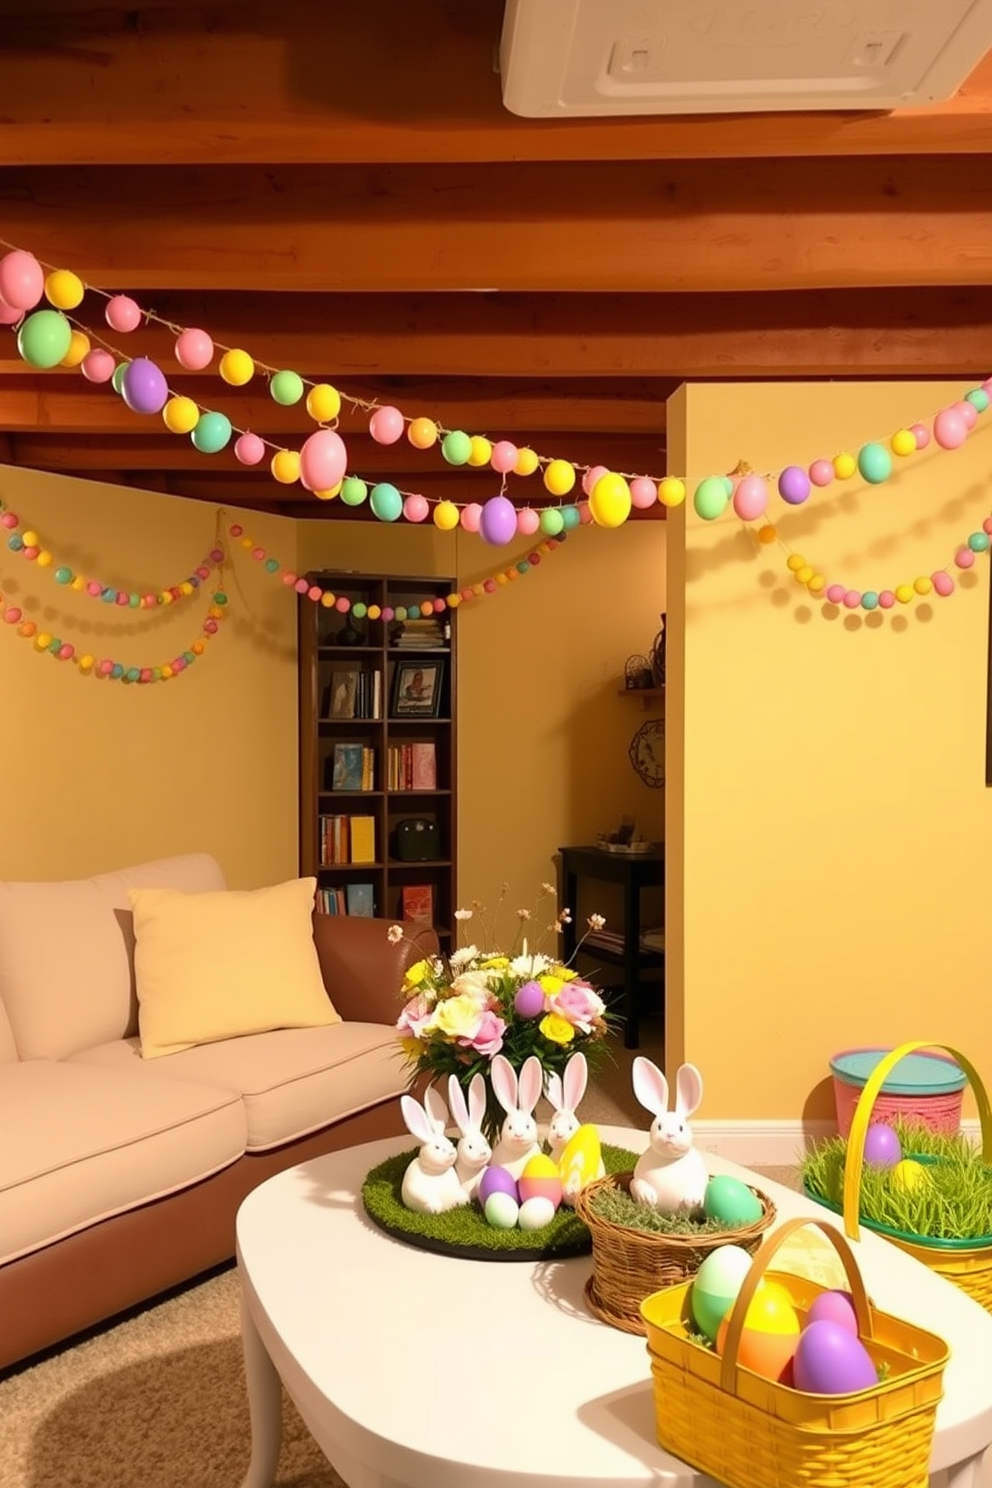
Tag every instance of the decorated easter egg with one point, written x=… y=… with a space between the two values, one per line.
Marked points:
x=579 y=1162
x=882 y=1147
x=831 y=1361
x=834 y=1307
x=715 y=1287
x=540 y=1180
x=535 y=1213
x=497 y=1180
x=770 y=1333
x=731 y=1201
x=907 y=1175
x=501 y=1211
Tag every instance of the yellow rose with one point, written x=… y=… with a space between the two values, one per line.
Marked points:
x=457 y=1017
x=550 y=984
x=496 y=963
x=415 y=974
x=557 y=1029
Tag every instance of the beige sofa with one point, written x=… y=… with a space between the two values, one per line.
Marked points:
x=121 y=1176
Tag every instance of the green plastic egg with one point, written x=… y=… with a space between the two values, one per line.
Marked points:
x=731 y=1201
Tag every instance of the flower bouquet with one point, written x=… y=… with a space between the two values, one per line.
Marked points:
x=464 y=1008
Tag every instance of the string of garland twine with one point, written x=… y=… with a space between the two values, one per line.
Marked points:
x=65 y=290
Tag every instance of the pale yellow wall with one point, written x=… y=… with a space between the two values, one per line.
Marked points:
x=833 y=835
x=96 y=775
x=542 y=732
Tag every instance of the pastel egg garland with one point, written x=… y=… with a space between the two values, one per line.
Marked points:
x=28 y=545
x=939 y=582
x=50 y=341
x=107 y=668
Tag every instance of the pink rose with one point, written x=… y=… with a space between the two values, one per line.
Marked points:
x=488 y=1037
x=578 y=1004
x=414 y=1017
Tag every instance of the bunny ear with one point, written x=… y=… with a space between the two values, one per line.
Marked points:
x=531 y=1083
x=504 y=1080
x=576 y=1079
x=456 y=1100
x=437 y=1111
x=416 y=1118
x=476 y=1100
x=553 y=1093
x=688 y=1090
x=650 y=1085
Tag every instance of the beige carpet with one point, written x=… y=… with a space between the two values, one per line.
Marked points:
x=158 y=1401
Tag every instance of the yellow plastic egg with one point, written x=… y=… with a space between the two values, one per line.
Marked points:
x=580 y=1161
x=540 y=1179
x=907 y=1176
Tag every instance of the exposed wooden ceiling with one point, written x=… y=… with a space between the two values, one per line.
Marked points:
x=338 y=189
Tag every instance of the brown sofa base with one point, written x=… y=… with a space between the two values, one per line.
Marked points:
x=48 y=1296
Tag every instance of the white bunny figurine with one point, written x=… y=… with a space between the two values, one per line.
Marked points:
x=517 y=1141
x=671 y=1174
x=564 y=1094
x=430 y=1183
x=474 y=1152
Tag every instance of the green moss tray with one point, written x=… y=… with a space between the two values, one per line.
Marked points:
x=464 y=1232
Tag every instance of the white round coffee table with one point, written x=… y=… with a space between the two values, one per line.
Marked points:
x=413 y=1370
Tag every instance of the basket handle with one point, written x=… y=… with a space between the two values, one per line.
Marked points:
x=764 y=1254
x=854 y=1165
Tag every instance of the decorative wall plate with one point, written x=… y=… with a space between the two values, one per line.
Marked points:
x=647 y=752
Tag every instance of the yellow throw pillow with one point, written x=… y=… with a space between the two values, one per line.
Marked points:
x=219 y=965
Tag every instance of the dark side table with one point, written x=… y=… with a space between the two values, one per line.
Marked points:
x=635 y=871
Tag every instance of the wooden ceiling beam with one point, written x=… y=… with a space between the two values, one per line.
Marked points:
x=618 y=228
x=627 y=452
x=68 y=405
x=308 y=82
x=352 y=339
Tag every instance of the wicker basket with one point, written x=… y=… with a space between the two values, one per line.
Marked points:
x=628 y=1265
x=966 y=1263
x=750 y=1432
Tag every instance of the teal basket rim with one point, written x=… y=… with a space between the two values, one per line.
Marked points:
x=951 y=1080
x=926 y=1242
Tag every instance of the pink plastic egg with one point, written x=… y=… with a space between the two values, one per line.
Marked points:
x=532 y=1186
x=497 y=1180
x=834 y=1307
x=831 y=1361
x=529 y=1000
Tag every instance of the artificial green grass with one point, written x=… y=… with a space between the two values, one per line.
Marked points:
x=466 y=1227
x=954 y=1205
x=616 y=1206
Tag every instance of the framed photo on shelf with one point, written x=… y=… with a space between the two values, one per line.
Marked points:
x=417 y=689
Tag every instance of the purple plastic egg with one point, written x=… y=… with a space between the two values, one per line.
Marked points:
x=497 y=1180
x=882 y=1146
x=834 y=1307
x=529 y=1001
x=831 y=1361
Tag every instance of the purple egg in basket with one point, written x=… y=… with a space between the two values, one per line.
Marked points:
x=497 y=1180
x=882 y=1147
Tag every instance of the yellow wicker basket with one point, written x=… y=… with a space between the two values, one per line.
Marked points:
x=751 y=1432
x=968 y=1266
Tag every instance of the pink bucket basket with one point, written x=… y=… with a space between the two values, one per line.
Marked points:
x=928 y=1088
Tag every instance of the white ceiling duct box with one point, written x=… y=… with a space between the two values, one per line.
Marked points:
x=561 y=58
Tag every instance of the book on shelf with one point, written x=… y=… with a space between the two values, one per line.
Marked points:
x=335 y=839
x=354 y=767
x=344 y=689
x=359 y=899
x=428 y=634
x=412 y=767
x=418 y=902
x=362 y=831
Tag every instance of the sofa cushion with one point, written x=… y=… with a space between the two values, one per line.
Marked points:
x=220 y=966
x=93 y=1142
x=66 y=975
x=293 y=1081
